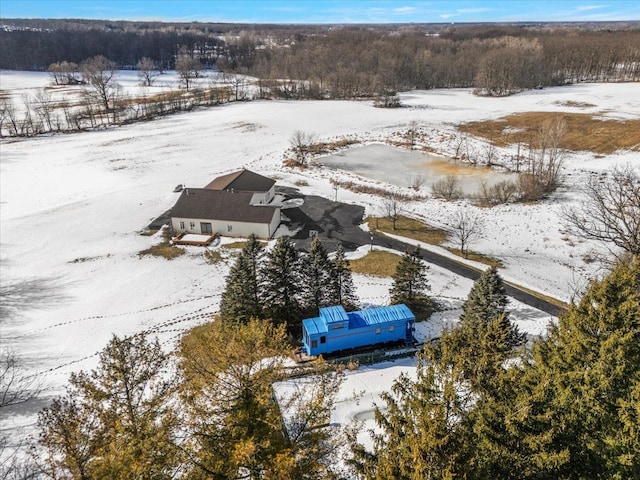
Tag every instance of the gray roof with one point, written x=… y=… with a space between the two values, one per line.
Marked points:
x=242 y=181
x=220 y=205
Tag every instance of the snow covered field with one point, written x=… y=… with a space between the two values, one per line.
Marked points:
x=72 y=207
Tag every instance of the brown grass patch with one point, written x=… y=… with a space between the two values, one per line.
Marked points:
x=377 y=263
x=322 y=148
x=163 y=250
x=213 y=256
x=584 y=132
x=572 y=103
x=478 y=257
x=372 y=190
x=542 y=296
x=409 y=228
x=240 y=244
x=301 y=183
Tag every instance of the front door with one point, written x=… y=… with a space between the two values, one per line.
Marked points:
x=205 y=227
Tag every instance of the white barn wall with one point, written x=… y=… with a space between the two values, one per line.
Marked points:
x=238 y=229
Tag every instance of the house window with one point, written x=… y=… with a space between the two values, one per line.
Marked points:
x=314 y=343
x=192 y=225
x=229 y=227
x=181 y=225
x=392 y=328
x=378 y=330
x=205 y=227
x=323 y=339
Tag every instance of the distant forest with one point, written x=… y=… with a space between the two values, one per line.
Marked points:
x=346 y=61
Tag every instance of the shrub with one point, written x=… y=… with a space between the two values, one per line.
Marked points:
x=447 y=188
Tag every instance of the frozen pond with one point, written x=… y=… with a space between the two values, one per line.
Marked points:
x=401 y=167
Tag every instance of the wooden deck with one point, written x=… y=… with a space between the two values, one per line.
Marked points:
x=194 y=239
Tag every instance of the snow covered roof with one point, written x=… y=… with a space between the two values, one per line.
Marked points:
x=242 y=181
x=209 y=204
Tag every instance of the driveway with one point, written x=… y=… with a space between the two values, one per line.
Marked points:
x=336 y=222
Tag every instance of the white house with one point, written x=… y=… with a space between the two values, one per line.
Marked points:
x=235 y=205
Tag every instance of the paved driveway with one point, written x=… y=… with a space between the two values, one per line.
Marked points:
x=337 y=222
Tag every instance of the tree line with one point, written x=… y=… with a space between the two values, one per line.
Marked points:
x=482 y=406
x=362 y=62
x=352 y=61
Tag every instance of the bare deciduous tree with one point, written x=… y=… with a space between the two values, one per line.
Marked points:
x=447 y=188
x=65 y=73
x=99 y=73
x=412 y=133
x=610 y=211
x=393 y=206
x=546 y=156
x=147 y=71
x=467 y=227
x=15 y=389
x=188 y=68
x=238 y=85
x=301 y=143
x=417 y=181
x=461 y=145
x=490 y=153
x=502 y=192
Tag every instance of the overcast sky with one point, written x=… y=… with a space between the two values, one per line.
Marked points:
x=326 y=11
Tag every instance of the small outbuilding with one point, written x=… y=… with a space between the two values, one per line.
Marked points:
x=336 y=329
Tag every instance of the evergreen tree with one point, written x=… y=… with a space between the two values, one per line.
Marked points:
x=581 y=389
x=487 y=298
x=280 y=283
x=241 y=300
x=421 y=432
x=342 y=291
x=235 y=426
x=410 y=284
x=117 y=421
x=485 y=303
x=317 y=274
x=569 y=410
x=486 y=337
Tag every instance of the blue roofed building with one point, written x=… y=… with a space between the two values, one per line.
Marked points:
x=336 y=329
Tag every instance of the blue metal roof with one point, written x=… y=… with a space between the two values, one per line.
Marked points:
x=380 y=316
x=363 y=318
x=334 y=314
x=314 y=325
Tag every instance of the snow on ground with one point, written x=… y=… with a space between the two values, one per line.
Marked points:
x=20 y=84
x=72 y=207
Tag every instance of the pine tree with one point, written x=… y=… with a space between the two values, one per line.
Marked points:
x=583 y=383
x=410 y=284
x=486 y=337
x=240 y=300
x=487 y=301
x=229 y=370
x=569 y=410
x=342 y=291
x=421 y=432
x=487 y=298
x=117 y=421
x=317 y=273
x=280 y=283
